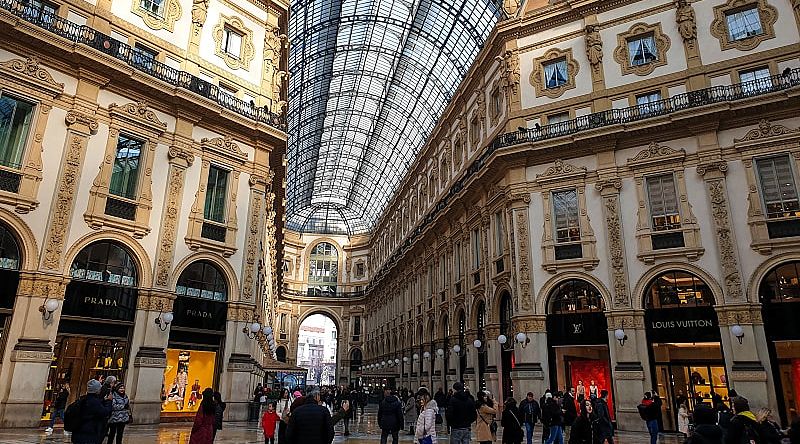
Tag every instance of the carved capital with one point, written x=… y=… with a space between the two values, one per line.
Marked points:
x=77 y=119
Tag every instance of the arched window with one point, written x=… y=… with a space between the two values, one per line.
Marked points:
x=506 y=313
x=9 y=250
x=356 y=357
x=323 y=269
x=575 y=296
x=781 y=284
x=678 y=289
x=280 y=354
x=106 y=262
x=202 y=279
x=481 y=321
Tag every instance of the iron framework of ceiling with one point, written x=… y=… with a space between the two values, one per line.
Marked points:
x=368 y=81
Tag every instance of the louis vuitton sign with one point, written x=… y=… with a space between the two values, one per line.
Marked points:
x=686 y=324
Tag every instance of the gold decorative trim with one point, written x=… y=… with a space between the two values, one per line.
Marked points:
x=224 y=146
x=179 y=160
x=246 y=52
x=172 y=12
x=719 y=27
x=561 y=170
x=622 y=56
x=537 y=76
x=767 y=129
x=656 y=154
x=28 y=71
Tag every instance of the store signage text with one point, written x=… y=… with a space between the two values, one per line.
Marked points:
x=100 y=301
x=692 y=323
x=198 y=314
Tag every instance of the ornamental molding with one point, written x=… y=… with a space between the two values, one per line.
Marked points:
x=77 y=118
x=616 y=251
x=166 y=20
x=246 y=52
x=169 y=224
x=687 y=21
x=725 y=241
x=767 y=130
x=29 y=72
x=719 y=27
x=594 y=48
x=560 y=171
x=176 y=153
x=137 y=114
x=225 y=146
x=537 y=75
x=656 y=153
x=622 y=56
x=199 y=14
x=31 y=356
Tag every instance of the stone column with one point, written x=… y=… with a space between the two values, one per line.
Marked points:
x=531 y=371
x=630 y=366
x=453 y=374
x=238 y=362
x=493 y=361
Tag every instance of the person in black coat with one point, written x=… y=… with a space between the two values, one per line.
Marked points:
x=568 y=405
x=310 y=422
x=95 y=412
x=584 y=429
x=461 y=413
x=390 y=416
x=554 y=418
x=706 y=430
x=219 y=411
x=605 y=428
x=511 y=422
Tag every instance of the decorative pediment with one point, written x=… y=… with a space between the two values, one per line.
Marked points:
x=139 y=114
x=561 y=170
x=29 y=72
x=656 y=153
x=224 y=146
x=767 y=130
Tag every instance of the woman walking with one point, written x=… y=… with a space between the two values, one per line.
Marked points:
x=512 y=426
x=584 y=429
x=410 y=413
x=203 y=427
x=219 y=410
x=486 y=415
x=425 y=431
x=120 y=414
x=283 y=406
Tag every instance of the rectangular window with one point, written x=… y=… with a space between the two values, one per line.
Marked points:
x=649 y=102
x=663 y=201
x=499 y=233
x=497 y=103
x=558 y=118
x=744 y=23
x=754 y=80
x=555 y=73
x=457 y=260
x=357 y=326
x=475 y=128
x=232 y=42
x=155 y=7
x=360 y=270
x=15 y=124
x=565 y=216
x=216 y=194
x=778 y=187
x=45 y=10
x=476 y=249
x=642 y=50
x=125 y=173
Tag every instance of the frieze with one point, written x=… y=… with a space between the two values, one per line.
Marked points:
x=748 y=376
x=530 y=325
x=624 y=375
x=31 y=356
x=739 y=315
x=142 y=361
x=765 y=130
x=625 y=321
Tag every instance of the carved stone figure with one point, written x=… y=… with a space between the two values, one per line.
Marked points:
x=274 y=44
x=199 y=12
x=509 y=69
x=687 y=24
x=594 y=46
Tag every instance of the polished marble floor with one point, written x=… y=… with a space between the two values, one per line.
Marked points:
x=364 y=430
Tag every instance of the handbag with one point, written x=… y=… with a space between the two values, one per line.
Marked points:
x=492 y=425
x=426 y=440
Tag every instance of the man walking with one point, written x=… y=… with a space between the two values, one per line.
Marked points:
x=531 y=412
x=390 y=416
x=551 y=412
x=605 y=430
x=461 y=414
x=649 y=412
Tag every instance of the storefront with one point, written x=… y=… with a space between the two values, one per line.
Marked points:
x=779 y=292
x=96 y=321
x=577 y=339
x=9 y=275
x=196 y=338
x=679 y=309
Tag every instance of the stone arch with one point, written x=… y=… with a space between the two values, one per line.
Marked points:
x=646 y=278
x=494 y=307
x=444 y=327
x=765 y=267
x=454 y=319
x=337 y=320
x=140 y=257
x=341 y=352
x=223 y=265
x=543 y=298
x=26 y=241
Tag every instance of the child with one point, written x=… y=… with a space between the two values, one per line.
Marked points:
x=268 y=423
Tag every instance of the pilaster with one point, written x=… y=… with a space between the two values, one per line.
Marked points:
x=629 y=366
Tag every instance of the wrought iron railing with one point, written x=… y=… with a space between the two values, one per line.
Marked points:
x=85 y=35
x=314 y=293
x=789 y=78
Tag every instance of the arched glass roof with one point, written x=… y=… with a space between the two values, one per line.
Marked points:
x=368 y=81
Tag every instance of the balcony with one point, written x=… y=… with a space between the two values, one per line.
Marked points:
x=316 y=293
x=85 y=35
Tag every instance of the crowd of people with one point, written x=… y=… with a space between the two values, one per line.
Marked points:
x=102 y=413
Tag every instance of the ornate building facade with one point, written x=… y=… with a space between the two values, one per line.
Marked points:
x=142 y=145
x=614 y=190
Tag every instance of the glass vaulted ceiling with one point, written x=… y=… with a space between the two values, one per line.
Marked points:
x=368 y=81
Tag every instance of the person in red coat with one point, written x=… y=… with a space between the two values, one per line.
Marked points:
x=268 y=422
x=203 y=427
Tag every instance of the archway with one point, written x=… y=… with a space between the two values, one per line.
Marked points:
x=317 y=346
x=684 y=342
x=356 y=361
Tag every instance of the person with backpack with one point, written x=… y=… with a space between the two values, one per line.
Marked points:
x=554 y=417
x=390 y=416
x=87 y=417
x=461 y=414
x=484 y=432
x=203 y=427
x=706 y=431
x=743 y=428
x=58 y=407
x=649 y=412
x=531 y=413
x=512 y=426
x=120 y=414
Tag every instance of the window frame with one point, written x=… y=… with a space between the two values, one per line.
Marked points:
x=538 y=75
x=554 y=213
x=793 y=175
x=641 y=38
x=740 y=11
x=768 y=16
x=31 y=127
x=667 y=226
x=136 y=179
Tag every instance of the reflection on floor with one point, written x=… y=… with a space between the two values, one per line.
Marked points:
x=362 y=431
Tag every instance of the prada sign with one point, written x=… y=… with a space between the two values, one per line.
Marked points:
x=91 y=300
x=198 y=313
x=577 y=329
x=690 y=324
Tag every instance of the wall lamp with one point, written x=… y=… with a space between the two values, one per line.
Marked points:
x=164 y=318
x=426 y=356
x=440 y=353
x=621 y=336
x=252 y=330
x=396 y=361
x=738 y=332
x=520 y=338
x=480 y=346
x=458 y=351
x=416 y=356
x=47 y=308
x=405 y=359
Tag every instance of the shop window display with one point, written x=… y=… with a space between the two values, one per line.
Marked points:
x=187 y=374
